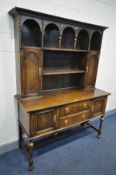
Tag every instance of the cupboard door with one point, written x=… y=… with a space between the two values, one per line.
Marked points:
x=46 y=121
x=91 y=70
x=98 y=106
x=31 y=66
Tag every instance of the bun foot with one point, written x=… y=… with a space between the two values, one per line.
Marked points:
x=98 y=136
x=30 y=168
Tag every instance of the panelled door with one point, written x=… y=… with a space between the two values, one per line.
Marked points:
x=98 y=106
x=91 y=69
x=46 y=121
x=31 y=74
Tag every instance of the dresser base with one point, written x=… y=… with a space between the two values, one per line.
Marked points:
x=28 y=145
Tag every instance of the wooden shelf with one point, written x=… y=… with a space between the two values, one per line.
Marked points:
x=64 y=50
x=61 y=71
x=30 y=47
x=60 y=49
x=95 y=51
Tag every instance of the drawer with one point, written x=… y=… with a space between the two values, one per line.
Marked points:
x=74 y=119
x=73 y=108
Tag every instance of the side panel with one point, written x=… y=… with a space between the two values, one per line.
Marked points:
x=24 y=120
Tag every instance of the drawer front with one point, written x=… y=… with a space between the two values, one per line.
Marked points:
x=74 y=119
x=46 y=121
x=73 y=108
x=98 y=106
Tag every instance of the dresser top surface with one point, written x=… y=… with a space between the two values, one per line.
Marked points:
x=57 y=98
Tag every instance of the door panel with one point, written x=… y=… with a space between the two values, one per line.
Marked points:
x=91 y=70
x=31 y=63
x=46 y=120
x=98 y=106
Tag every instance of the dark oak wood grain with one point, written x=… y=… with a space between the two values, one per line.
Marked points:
x=31 y=63
x=57 y=98
x=56 y=65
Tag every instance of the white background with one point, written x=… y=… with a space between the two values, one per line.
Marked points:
x=100 y=12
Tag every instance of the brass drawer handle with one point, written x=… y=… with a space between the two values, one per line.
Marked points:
x=55 y=118
x=66 y=122
x=67 y=110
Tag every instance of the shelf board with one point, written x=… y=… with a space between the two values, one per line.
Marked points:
x=37 y=47
x=94 y=50
x=61 y=71
x=65 y=50
x=60 y=49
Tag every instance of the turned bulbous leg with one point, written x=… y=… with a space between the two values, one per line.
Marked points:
x=30 y=149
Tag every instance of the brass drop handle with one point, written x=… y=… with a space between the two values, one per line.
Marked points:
x=87 y=69
x=67 y=110
x=66 y=122
x=85 y=105
x=55 y=118
x=92 y=108
x=40 y=71
x=83 y=116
